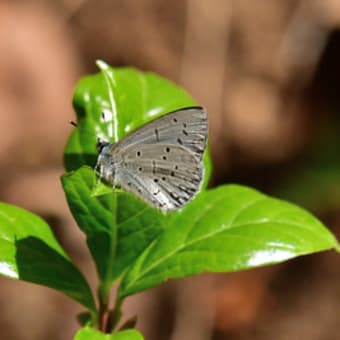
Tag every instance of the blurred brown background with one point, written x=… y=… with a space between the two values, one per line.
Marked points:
x=268 y=72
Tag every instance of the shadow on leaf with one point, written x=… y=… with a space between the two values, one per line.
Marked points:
x=38 y=263
x=74 y=161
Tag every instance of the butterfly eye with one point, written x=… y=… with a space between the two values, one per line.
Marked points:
x=100 y=145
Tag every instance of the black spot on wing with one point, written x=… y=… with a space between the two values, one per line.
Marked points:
x=157 y=134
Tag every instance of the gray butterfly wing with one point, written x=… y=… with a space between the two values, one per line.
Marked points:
x=187 y=127
x=164 y=175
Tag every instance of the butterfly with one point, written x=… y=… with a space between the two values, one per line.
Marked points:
x=160 y=162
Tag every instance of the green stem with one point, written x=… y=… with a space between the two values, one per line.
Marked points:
x=117 y=312
x=104 y=314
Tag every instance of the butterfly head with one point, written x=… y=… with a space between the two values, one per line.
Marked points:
x=104 y=167
x=101 y=145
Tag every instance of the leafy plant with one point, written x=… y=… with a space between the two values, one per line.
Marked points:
x=224 y=229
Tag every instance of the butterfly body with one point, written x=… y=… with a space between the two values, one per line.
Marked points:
x=161 y=162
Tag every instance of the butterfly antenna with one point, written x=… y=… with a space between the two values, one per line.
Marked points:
x=82 y=129
x=73 y=123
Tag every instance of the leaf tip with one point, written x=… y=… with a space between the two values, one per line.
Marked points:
x=100 y=189
x=337 y=246
x=102 y=65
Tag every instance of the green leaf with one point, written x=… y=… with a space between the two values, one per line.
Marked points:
x=30 y=252
x=118 y=226
x=227 y=229
x=131 y=98
x=93 y=334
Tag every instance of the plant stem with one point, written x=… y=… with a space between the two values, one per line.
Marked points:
x=104 y=321
x=117 y=312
